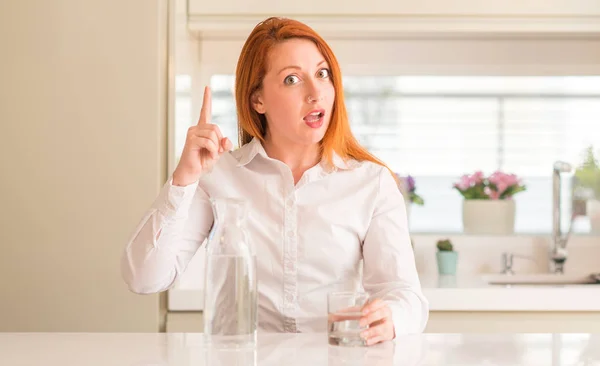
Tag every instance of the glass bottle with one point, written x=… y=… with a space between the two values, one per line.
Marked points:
x=230 y=296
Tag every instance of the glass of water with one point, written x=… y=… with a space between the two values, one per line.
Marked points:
x=343 y=316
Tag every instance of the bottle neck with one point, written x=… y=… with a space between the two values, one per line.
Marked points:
x=229 y=210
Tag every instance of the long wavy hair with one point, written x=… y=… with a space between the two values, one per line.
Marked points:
x=250 y=72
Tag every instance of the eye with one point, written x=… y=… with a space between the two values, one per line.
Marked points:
x=323 y=73
x=291 y=80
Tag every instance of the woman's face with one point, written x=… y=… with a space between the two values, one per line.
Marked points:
x=297 y=93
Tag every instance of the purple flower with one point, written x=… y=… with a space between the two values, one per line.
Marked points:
x=410 y=182
x=408 y=188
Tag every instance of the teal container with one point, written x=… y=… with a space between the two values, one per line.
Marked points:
x=446 y=261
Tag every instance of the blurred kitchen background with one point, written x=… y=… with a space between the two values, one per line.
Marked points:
x=96 y=98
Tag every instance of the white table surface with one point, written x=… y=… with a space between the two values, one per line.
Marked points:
x=54 y=349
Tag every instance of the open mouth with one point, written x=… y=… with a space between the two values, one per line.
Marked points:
x=315 y=118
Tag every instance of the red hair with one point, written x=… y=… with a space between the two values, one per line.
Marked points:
x=250 y=72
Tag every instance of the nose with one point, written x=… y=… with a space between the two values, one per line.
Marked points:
x=314 y=94
x=311 y=99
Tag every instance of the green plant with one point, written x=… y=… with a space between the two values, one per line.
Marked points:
x=445 y=245
x=588 y=174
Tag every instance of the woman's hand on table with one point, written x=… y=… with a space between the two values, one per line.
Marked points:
x=378 y=316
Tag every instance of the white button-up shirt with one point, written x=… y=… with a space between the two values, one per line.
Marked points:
x=310 y=237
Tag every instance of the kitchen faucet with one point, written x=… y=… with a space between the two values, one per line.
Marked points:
x=558 y=254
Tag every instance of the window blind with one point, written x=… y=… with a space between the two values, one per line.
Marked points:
x=438 y=128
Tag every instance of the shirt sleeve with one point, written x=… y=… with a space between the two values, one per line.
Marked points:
x=166 y=238
x=389 y=271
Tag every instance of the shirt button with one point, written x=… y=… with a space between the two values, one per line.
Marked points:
x=291 y=202
x=291 y=233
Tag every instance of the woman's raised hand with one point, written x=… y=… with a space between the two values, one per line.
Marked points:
x=204 y=145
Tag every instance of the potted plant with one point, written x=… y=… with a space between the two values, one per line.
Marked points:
x=588 y=183
x=408 y=189
x=447 y=257
x=488 y=205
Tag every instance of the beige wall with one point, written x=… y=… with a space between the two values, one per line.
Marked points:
x=82 y=147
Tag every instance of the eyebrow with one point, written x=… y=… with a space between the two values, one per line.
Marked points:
x=298 y=67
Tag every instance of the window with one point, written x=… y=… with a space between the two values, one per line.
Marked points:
x=183 y=109
x=437 y=128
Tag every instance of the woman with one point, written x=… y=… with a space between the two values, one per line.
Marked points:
x=320 y=201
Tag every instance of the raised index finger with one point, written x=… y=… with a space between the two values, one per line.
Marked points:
x=205 y=112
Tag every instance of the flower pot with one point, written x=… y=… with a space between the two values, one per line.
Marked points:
x=593 y=212
x=488 y=216
x=446 y=261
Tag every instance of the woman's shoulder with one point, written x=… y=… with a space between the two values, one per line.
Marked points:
x=367 y=166
x=365 y=169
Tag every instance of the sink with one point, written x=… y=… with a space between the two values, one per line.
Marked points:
x=541 y=279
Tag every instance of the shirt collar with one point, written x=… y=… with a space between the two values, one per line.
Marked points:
x=248 y=152
x=339 y=163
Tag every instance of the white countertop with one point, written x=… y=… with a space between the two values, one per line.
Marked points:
x=90 y=349
x=466 y=293
x=471 y=293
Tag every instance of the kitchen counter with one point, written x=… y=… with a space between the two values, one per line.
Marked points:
x=466 y=293
x=471 y=293
x=177 y=349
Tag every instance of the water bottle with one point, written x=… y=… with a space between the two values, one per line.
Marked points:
x=230 y=300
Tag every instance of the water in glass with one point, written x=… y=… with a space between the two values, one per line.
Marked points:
x=344 y=313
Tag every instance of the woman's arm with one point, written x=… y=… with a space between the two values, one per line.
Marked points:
x=390 y=272
x=167 y=238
